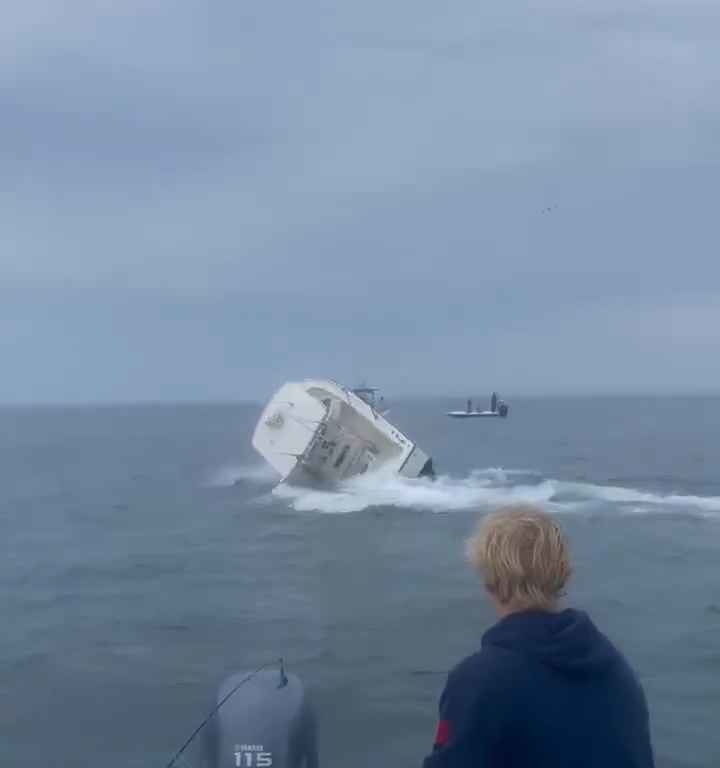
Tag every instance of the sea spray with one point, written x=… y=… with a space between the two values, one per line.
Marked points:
x=484 y=489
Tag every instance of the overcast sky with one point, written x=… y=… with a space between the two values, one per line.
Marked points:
x=200 y=200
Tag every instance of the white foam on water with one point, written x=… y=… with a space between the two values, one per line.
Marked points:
x=620 y=495
x=445 y=494
x=485 y=489
x=230 y=474
x=503 y=472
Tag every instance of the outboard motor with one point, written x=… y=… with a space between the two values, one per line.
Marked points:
x=267 y=722
x=428 y=470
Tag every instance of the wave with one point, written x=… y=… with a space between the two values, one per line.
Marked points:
x=484 y=489
x=620 y=495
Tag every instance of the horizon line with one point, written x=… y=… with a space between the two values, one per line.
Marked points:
x=221 y=401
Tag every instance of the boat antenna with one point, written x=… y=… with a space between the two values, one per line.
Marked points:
x=212 y=713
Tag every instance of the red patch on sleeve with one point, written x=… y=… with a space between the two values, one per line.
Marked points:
x=442 y=735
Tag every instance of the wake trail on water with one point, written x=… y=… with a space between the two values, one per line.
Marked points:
x=485 y=489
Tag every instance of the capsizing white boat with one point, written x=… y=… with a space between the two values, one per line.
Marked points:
x=319 y=432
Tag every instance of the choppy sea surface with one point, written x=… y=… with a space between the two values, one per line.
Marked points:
x=144 y=556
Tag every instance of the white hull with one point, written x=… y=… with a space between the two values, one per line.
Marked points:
x=474 y=415
x=317 y=432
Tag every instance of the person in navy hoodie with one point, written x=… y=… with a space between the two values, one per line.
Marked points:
x=547 y=689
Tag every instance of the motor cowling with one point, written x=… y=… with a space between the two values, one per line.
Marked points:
x=268 y=722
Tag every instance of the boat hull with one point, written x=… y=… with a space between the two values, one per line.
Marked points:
x=316 y=432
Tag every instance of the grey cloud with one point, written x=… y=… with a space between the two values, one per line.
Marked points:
x=226 y=182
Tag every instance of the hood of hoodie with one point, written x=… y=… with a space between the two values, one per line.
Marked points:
x=567 y=641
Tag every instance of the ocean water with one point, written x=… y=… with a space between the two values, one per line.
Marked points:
x=144 y=557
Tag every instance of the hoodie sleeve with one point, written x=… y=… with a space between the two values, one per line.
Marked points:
x=468 y=730
x=450 y=733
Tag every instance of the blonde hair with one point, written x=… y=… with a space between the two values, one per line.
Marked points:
x=522 y=556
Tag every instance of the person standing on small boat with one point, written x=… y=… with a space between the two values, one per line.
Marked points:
x=547 y=689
